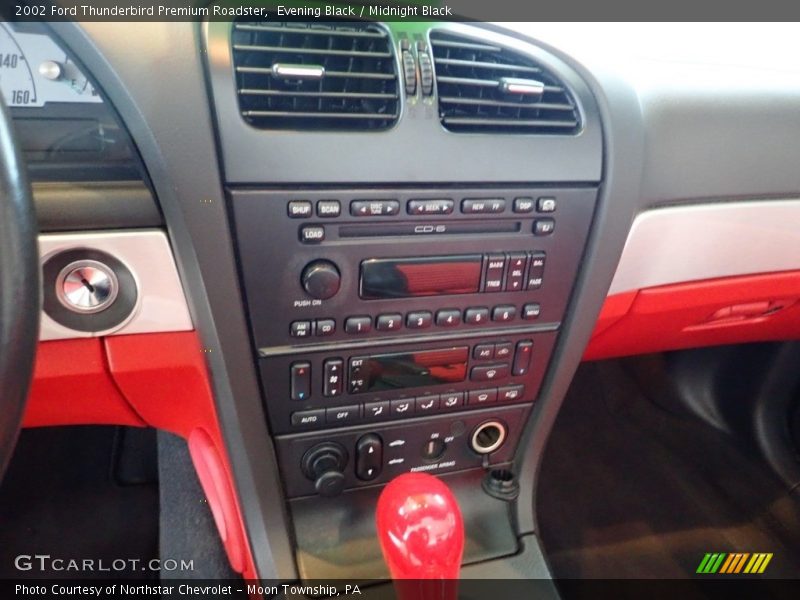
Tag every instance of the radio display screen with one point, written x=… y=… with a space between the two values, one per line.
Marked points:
x=384 y=372
x=420 y=276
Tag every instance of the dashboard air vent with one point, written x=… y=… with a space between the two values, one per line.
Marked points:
x=485 y=88
x=318 y=76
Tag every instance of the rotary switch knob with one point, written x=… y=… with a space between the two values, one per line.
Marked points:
x=321 y=279
x=324 y=465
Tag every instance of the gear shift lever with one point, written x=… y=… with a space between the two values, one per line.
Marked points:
x=421 y=533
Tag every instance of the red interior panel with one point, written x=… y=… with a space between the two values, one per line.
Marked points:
x=705 y=313
x=73 y=386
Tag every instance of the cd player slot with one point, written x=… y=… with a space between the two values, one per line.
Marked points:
x=411 y=229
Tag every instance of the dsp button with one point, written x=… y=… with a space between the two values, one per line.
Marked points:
x=340 y=415
x=523 y=205
x=438 y=206
x=489 y=373
x=374 y=208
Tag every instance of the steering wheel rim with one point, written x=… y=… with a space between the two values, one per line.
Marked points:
x=20 y=288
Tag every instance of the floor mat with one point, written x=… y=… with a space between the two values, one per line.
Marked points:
x=630 y=490
x=79 y=493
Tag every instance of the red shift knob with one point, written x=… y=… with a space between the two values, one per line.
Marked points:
x=421 y=533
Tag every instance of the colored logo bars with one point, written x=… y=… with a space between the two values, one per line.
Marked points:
x=734 y=563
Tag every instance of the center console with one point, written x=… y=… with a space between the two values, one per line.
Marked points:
x=404 y=329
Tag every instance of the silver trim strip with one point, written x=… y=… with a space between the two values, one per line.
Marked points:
x=705 y=241
x=161 y=304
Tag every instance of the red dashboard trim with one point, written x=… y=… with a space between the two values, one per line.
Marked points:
x=729 y=310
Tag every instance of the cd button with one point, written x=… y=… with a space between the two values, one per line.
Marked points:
x=325 y=327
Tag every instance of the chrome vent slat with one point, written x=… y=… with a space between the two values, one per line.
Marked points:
x=482 y=102
x=509 y=123
x=354 y=75
x=474 y=82
x=485 y=65
x=312 y=51
x=314 y=115
x=314 y=30
x=319 y=94
x=337 y=76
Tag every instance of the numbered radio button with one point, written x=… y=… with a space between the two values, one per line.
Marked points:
x=389 y=322
x=358 y=325
x=504 y=313
x=448 y=317
x=419 y=320
x=476 y=316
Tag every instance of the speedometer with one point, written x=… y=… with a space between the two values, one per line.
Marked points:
x=35 y=71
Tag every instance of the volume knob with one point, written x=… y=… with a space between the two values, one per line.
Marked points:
x=321 y=279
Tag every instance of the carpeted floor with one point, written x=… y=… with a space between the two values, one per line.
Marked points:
x=630 y=490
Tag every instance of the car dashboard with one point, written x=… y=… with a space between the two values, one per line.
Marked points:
x=390 y=246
